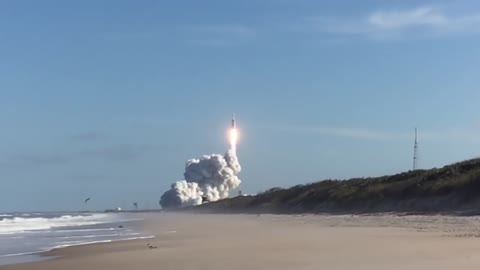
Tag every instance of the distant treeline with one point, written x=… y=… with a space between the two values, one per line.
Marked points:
x=452 y=189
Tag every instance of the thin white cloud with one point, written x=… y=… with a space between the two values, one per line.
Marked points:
x=360 y=133
x=219 y=35
x=121 y=152
x=88 y=136
x=420 y=21
x=452 y=135
x=448 y=135
x=394 y=20
x=224 y=29
x=350 y=132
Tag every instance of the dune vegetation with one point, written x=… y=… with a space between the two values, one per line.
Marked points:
x=454 y=189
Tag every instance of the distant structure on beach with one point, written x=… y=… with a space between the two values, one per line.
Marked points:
x=415 y=152
x=115 y=210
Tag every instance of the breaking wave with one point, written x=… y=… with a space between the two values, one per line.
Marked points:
x=20 y=224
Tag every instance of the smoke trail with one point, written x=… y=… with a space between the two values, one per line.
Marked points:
x=211 y=177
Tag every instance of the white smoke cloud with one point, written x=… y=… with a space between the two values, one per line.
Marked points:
x=211 y=177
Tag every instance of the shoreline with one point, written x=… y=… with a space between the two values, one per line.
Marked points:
x=50 y=252
x=56 y=251
x=202 y=241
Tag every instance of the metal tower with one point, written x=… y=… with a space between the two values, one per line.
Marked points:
x=415 y=152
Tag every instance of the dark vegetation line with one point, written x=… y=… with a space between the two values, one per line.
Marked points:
x=452 y=189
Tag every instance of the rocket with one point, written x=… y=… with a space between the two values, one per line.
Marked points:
x=233 y=135
x=233 y=121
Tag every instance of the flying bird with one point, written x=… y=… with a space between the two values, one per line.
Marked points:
x=86 y=200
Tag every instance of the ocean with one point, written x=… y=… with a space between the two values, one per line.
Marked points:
x=24 y=235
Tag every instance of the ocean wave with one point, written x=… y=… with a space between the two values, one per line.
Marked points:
x=23 y=253
x=87 y=230
x=81 y=243
x=96 y=235
x=21 y=224
x=11 y=237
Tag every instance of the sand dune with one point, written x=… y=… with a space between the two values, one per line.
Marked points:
x=188 y=241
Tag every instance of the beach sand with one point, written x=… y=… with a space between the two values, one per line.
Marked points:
x=190 y=241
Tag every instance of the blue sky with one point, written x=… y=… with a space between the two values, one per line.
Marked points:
x=108 y=99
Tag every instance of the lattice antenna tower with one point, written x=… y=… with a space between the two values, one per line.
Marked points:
x=415 y=152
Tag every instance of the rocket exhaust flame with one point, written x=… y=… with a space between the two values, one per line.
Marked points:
x=233 y=140
x=209 y=178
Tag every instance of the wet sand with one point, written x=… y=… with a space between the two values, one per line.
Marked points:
x=189 y=241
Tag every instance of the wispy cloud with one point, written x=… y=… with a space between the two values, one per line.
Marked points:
x=397 y=20
x=219 y=34
x=117 y=152
x=349 y=132
x=32 y=159
x=448 y=135
x=88 y=136
x=121 y=152
x=452 y=135
x=379 y=24
x=224 y=29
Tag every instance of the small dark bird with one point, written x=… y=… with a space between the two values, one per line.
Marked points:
x=86 y=200
x=150 y=246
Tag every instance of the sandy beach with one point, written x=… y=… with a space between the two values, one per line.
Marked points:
x=190 y=241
